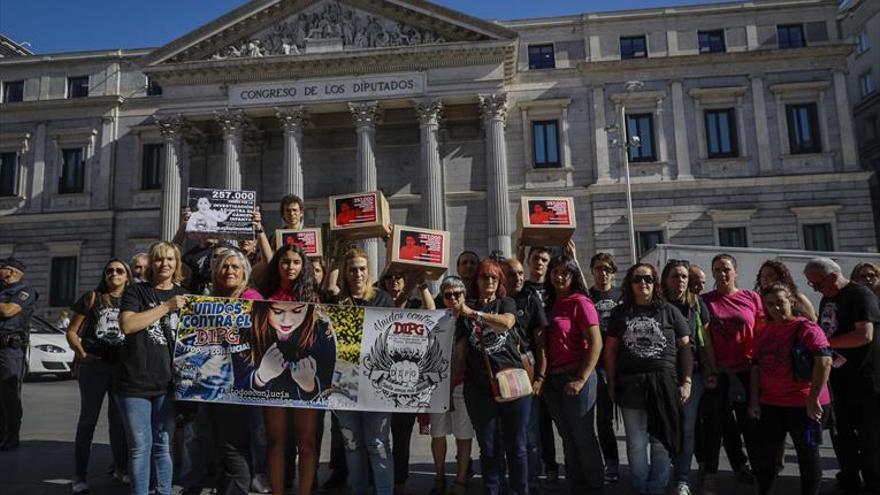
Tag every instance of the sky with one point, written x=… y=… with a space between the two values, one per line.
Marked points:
x=52 y=26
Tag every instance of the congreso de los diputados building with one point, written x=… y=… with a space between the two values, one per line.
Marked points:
x=741 y=109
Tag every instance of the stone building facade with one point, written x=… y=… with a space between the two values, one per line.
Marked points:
x=742 y=110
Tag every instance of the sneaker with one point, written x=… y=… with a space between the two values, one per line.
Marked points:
x=612 y=473
x=260 y=484
x=682 y=489
x=80 y=486
x=121 y=477
x=744 y=475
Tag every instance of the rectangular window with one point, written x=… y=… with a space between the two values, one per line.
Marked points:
x=641 y=126
x=712 y=41
x=545 y=137
x=8 y=173
x=78 y=87
x=62 y=286
x=153 y=88
x=818 y=237
x=733 y=237
x=72 y=171
x=866 y=81
x=863 y=43
x=152 y=166
x=803 y=128
x=791 y=36
x=541 y=57
x=633 y=47
x=13 y=91
x=648 y=239
x=721 y=133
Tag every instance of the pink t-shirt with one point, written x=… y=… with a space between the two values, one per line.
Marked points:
x=251 y=294
x=733 y=327
x=281 y=295
x=778 y=386
x=569 y=317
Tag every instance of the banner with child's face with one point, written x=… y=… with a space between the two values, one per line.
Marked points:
x=321 y=356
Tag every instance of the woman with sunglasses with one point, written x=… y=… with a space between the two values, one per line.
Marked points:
x=783 y=403
x=775 y=272
x=736 y=316
x=96 y=339
x=573 y=347
x=676 y=290
x=868 y=275
x=455 y=421
x=487 y=329
x=647 y=339
x=149 y=317
x=288 y=279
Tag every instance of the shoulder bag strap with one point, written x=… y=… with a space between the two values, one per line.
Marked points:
x=492 y=383
x=92 y=300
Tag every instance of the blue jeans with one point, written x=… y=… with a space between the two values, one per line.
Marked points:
x=646 y=478
x=691 y=409
x=367 y=444
x=95 y=381
x=485 y=414
x=149 y=428
x=573 y=415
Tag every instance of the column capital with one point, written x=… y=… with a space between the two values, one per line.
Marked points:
x=292 y=119
x=366 y=114
x=493 y=106
x=231 y=121
x=429 y=111
x=171 y=128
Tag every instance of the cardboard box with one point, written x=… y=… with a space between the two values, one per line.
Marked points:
x=546 y=221
x=308 y=239
x=420 y=249
x=360 y=215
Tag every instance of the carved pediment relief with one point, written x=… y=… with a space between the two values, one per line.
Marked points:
x=281 y=28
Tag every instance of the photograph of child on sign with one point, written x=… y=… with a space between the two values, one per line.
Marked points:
x=548 y=212
x=346 y=214
x=203 y=217
x=412 y=250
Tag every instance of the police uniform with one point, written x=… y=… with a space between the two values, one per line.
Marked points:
x=14 y=333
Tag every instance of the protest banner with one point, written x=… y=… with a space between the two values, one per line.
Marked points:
x=307 y=239
x=546 y=221
x=319 y=356
x=423 y=250
x=220 y=214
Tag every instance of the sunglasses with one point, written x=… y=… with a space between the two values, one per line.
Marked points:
x=603 y=269
x=818 y=285
x=112 y=271
x=453 y=295
x=643 y=279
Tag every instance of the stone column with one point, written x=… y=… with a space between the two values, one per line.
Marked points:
x=232 y=122
x=682 y=151
x=293 y=120
x=845 y=122
x=603 y=163
x=433 y=206
x=493 y=109
x=765 y=160
x=171 y=129
x=365 y=117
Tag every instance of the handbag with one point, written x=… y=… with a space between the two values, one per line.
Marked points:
x=801 y=357
x=74 y=368
x=508 y=384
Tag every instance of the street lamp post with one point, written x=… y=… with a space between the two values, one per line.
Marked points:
x=625 y=141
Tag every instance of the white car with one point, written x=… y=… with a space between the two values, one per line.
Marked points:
x=48 y=352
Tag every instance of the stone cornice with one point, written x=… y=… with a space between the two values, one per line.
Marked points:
x=62 y=103
x=353 y=62
x=812 y=58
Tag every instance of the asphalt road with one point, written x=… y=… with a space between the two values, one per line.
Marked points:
x=44 y=462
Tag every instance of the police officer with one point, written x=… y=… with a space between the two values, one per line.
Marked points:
x=17 y=302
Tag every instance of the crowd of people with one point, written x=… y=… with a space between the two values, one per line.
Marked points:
x=687 y=370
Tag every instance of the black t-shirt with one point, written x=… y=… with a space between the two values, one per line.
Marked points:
x=838 y=316
x=540 y=291
x=605 y=302
x=101 y=335
x=501 y=345
x=198 y=260
x=144 y=367
x=646 y=337
x=530 y=315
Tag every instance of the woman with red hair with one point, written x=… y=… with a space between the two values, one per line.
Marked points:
x=487 y=330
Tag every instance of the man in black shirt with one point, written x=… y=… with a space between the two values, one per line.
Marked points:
x=605 y=297
x=848 y=313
